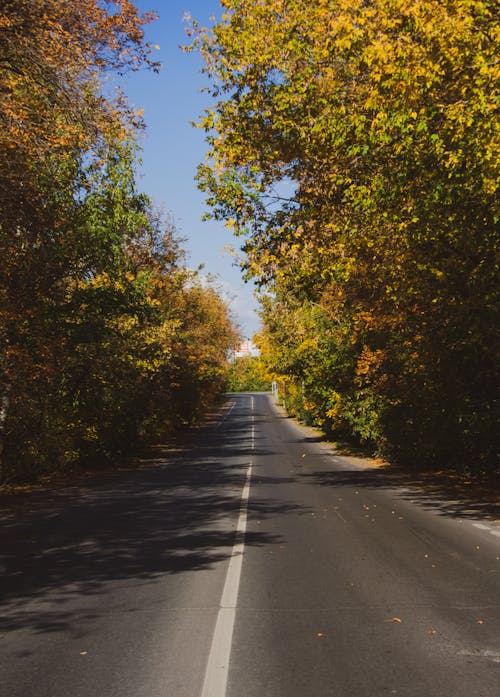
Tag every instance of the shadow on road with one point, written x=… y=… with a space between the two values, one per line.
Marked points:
x=175 y=514
x=442 y=492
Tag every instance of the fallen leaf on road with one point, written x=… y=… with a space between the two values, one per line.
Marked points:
x=396 y=619
x=83 y=653
x=480 y=621
x=432 y=631
x=320 y=635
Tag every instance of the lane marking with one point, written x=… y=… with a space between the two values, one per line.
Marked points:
x=217 y=670
x=253 y=422
x=339 y=515
x=481 y=653
x=233 y=404
x=481 y=526
x=230 y=592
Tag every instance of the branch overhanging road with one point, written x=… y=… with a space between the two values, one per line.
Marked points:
x=253 y=564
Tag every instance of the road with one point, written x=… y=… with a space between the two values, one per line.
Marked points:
x=253 y=563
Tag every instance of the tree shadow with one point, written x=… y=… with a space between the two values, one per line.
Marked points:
x=443 y=492
x=175 y=514
x=310 y=439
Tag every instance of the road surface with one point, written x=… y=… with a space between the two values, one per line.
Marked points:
x=253 y=563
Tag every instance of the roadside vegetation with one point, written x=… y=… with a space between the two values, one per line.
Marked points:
x=355 y=147
x=107 y=341
x=248 y=374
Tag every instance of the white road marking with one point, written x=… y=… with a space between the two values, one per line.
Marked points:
x=492 y=531
x=230 y=592
x=252 y=402
x=217 y=671
x=481 y=653
x=233 y=404
x=481 y=526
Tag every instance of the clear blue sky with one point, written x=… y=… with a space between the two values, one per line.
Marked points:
x=172 y=147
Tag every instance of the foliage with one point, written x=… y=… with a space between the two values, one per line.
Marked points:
x=355 y=146
x=248 y=374
x=107 y=341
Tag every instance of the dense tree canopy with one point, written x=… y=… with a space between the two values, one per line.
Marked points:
x=107 y=340
x=355 y=145
x=248 y=374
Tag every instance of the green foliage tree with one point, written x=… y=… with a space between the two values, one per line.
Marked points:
x=248 y=374
x=355 y=146
x=107 y=340
x=59 y=137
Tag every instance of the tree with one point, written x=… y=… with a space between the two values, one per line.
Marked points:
x=58 y=135
x=248 y=374
x=355 y=147
x=107 y=341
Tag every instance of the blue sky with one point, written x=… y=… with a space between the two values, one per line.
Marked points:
x=172 y=147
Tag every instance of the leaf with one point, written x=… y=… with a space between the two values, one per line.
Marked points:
x=367 y=217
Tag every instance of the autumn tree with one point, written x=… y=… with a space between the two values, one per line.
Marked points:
x=248 y=374
x=58 y=135
x=107 y=341
x=355 y=147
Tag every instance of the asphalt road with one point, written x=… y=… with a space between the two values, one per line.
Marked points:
x=252 y=564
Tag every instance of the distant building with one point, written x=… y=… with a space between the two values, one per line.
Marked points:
x=246 y=349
